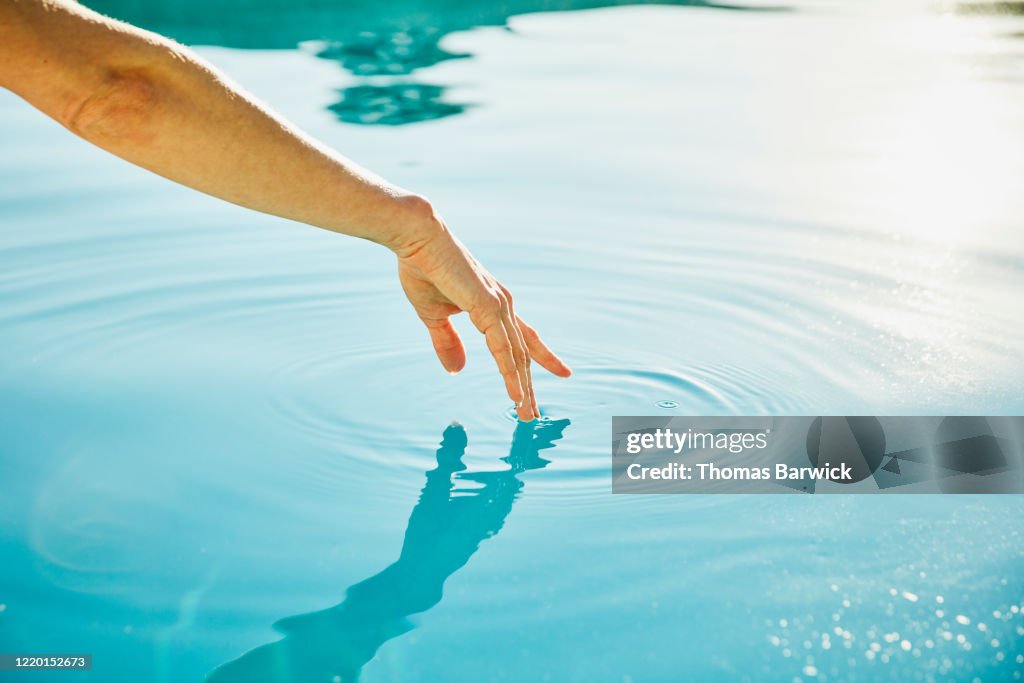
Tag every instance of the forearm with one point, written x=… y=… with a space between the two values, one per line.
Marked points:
x=157 y=105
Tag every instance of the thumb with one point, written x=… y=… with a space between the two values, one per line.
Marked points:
x=447 y=344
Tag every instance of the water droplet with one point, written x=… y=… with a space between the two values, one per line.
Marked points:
x=667 y=404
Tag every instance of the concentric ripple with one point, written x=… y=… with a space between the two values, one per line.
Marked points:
x=345 y=403
x=189 y=390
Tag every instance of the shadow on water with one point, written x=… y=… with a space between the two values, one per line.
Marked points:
x=366 y=37
x=445 y=528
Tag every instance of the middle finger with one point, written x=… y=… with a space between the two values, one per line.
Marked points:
x=528 y=410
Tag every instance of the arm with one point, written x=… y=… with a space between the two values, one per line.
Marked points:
x=158 y=105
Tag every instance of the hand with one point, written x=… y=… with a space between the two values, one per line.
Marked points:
x=441 y=278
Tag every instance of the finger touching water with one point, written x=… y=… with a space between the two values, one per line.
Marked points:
x=158 y=105
x=522 y=357
x=500 y=346
x=441 y=278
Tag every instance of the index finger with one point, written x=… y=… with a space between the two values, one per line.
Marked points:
x=528 y=411
x=500 y=346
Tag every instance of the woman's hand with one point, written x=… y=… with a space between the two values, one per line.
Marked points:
x=158 y=105
x=441 y=278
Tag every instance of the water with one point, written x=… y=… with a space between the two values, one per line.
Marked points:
x=215 y=421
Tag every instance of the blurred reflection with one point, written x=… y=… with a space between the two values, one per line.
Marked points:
x=445 y=528
x=393 y=105
x=990 y=7
x=369 y=39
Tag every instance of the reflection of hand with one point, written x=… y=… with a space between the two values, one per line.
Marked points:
x=441 y=278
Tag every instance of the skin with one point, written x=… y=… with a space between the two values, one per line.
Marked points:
x=158 y=105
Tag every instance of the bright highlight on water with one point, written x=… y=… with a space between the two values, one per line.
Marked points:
x=228 y=450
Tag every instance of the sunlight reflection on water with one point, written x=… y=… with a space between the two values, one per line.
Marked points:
x=214 y=419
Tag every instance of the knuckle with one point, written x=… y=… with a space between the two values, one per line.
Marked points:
x=498 y=346
x=504 y=305
x=494 y=304
x=486 y=312
x=507 y=294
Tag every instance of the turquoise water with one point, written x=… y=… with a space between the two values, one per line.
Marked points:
x=215 y=422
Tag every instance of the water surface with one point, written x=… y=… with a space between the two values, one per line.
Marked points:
x=216 y=421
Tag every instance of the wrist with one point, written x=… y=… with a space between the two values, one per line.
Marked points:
x=416 y=225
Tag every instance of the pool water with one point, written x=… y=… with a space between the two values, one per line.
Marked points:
x=229 y=452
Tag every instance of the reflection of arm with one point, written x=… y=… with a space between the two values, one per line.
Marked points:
x=444 y=531
x=440 y=539
x=442 y=534
x=158 y=105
